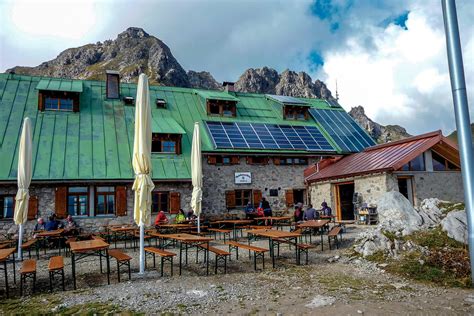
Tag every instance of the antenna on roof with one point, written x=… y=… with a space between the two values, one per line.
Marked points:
x=337 y=92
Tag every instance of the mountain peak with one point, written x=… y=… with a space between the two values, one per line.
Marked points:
x=133 y=32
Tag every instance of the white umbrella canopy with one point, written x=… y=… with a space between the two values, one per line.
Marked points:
x=196 y=174
x=141 y=162
x=24 y=179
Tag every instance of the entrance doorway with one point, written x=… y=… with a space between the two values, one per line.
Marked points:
x=344 y=205
x=298 y=196
x=405 y=187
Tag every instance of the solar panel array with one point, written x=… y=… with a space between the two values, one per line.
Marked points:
x=267 y=136
x=286 y=99
x=348 y=135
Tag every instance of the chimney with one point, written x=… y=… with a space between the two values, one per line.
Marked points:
x=228 y=86
x=112 y=84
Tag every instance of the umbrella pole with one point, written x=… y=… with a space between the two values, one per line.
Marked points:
x=142 y=248
x=20 y=241
x=199 y=224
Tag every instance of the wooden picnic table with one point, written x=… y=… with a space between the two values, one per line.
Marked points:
x=42 y=236
x=4 y=255
x=51 y=233
x=124 y=230
x=189 y=240
x=86 y=248
x=234 y=223
x=273 y=237
x=277 y=219
x=315 y=224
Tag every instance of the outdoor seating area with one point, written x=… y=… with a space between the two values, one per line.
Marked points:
x=216 y=248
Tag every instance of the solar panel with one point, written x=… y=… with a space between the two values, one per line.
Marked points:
x=333 y=103
x=286 y=99
x=348 y=135
x=267 y=136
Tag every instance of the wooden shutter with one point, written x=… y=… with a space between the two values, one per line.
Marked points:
x=289 y=197
x=276 y=161
x=175 y=202
x=212 y=160
x=40 y=101
x=257 y=197
x=121 y=200
x=32 y=207
x=75 y=102
x=60 y=203
x=230 y=199
x=235 y=160
x=249 y=160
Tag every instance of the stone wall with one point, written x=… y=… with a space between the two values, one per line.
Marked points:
x=46 y=200
x=218 y=179
x=320 y=193
x=372 y=187
x=445 y=185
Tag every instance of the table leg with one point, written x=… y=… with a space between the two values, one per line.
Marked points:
x=272 y=252
x=73 y=267
x=207 y=259
x=321 y=233
x=296 y=250
x=6 y=276
x=115 y=239
x=108 y=265
x=180 y=256
x=100 y=260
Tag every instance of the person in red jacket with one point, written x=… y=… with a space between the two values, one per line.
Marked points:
x=161 y=218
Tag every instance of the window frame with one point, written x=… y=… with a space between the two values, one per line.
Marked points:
x=446 y=163
x=96 y=198
x=221 y=104
x=159 y=194
x=3 y=196
x=43 y=95
x=292 y=112
x=77 y=194
x=107 y=96
x=239 y=195
x=282 y=161
x=176 y=138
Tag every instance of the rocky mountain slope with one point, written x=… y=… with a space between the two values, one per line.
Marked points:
x=379 y=132
x=454 y=135
x=134 y=51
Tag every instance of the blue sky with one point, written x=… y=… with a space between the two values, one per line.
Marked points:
x=388 y=56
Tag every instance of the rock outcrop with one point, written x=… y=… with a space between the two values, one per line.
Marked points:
x=396 y=214
x=455 y=226
x=203 y=80
x=380 y=133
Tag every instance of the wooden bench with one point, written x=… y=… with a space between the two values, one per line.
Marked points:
x=224 y=232
x=164 y=255
x=303 y=248
x=257 y=252
x=28 y=270
x=334 y=233
x=122 y=260
x=55 y=266
x=220 y=255
x=28 y=245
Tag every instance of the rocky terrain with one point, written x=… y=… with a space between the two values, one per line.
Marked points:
x=454 y=135
x=379 y=132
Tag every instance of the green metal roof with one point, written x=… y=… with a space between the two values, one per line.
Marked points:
x=96 y=143
x=216 y=95
x=60 y=85
x=166 y=125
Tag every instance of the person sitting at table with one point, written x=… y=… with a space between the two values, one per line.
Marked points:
x=71 y=227
x=267 y=210
x=161 y=218
x=249 y=211
x=325 y=209
x=260 y=212
x=298 y=215
x=52 y=223
x=310 y=213
x=180 y=217
x=39 y=225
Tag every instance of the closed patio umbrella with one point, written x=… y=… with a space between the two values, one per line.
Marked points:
x=141 y=162
x=24 y=180
x=196 y=174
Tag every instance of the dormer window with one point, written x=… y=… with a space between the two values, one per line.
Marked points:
x=299 y=113
x=59 y=95
x=112 y=84
x=129 y=101
x=221 y=108
x=166 y=143
x=160 y=104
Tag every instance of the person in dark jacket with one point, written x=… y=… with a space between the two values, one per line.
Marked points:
x=267 y=210
x=298 y=215
x=325 y=209
x=52 y=223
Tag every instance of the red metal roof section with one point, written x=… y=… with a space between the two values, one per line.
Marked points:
x=385 y=157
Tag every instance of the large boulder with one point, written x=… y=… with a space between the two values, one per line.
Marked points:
x=397 y=214
x=371 y=241
x=430 y=212
x=455 y=225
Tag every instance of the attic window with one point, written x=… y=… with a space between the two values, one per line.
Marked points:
x=291 y=112
x=112 y=85
x=166 y=143
x=221 y=108
x=58 y=101
x=160 y=104
x=129 y=100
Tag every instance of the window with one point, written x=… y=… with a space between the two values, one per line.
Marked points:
x=78 y=201
x=242 y=197
x=221 y=108
x=166 y=143
x=112 y=85
x=286 y=161
x=442 y=164
x=417 y=164
x=129 y=101
x=292 y=112
x=223 y=160
x=58 y=101
x=160 y=104
x=105 y=200
x=7 y=204
x=273 y=192
x=160 y=202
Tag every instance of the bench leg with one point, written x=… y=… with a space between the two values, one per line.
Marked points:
x=34 y=282
x=215 y=268
x=154 y=260
x=263 y=260
x=118 y=271
x=172 y=266
x=162 y=261
x=62 y=274
x=50 y=282
x=225 y=265
x=100 y=260
x=129 y=272
x=21 y=284
x=329 y=242
x=255 y=261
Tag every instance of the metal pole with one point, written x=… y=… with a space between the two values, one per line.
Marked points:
x=142 y=248
x=20 y=241
x=461 y=110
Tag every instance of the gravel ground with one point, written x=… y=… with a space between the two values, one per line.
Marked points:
x=333 y=283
